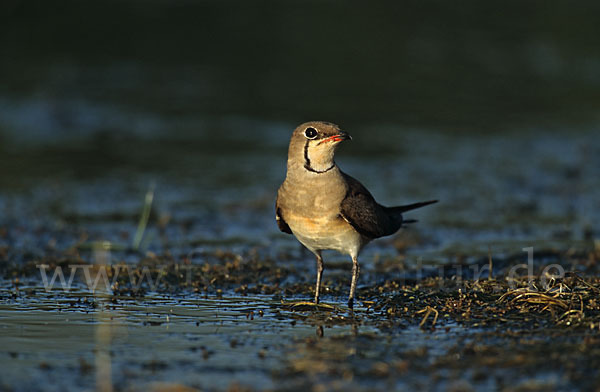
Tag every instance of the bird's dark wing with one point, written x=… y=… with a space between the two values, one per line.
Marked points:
x=283 y=226
x=366 y=216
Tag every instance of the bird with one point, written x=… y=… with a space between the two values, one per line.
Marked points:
x=325 y=208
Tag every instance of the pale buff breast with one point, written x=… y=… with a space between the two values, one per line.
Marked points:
x=328 y=232
x=311 y=208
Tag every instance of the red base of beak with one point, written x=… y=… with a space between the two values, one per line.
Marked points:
x=337 y=138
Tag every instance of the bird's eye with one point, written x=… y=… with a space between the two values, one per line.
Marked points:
x=310 y=133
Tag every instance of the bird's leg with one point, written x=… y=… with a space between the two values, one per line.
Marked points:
x=319 y=274
x=355 y=271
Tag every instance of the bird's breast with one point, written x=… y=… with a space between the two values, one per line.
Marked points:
x=316 y=226
x=327 y=232
x=311 y=207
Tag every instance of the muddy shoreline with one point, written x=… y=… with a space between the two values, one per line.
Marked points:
x=443 y=332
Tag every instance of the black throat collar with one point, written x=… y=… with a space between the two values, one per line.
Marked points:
x=307 y=165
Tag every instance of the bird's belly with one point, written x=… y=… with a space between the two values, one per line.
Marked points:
x=326 y=233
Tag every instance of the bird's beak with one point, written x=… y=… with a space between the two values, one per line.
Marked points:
x=340 y=137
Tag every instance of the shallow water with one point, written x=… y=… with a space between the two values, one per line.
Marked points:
x=77 y=340
x=190 y=340
x=208 y=343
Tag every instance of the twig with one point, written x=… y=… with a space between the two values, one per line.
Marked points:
x=490 y=264
x=428 y=310
x=143 y=223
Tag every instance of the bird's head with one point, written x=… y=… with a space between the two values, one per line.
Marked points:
x=313 y=146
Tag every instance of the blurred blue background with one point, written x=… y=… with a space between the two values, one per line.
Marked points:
x=491 y=107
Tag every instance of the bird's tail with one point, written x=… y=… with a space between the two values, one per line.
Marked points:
x=409 y=221
x=396 y=212
x=408 y=207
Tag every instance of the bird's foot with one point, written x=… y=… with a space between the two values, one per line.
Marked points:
x=351 y=303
